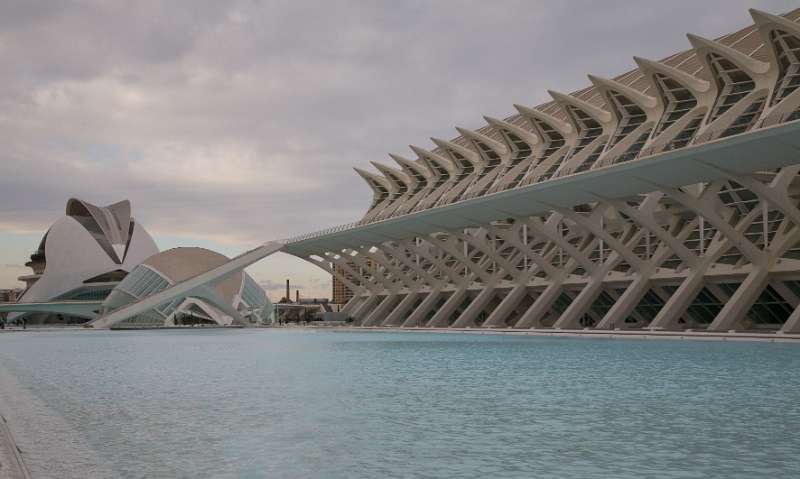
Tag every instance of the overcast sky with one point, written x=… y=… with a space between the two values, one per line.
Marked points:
x=230 y=123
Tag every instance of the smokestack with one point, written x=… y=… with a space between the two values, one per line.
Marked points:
x=297 y=296
x=288 y=295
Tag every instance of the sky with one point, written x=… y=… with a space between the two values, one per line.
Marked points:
x=230 y=123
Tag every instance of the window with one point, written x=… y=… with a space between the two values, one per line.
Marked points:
x=588 y=129
x=732 y=82
x=678 y=101
x=746 y=120
x=630 y=116
x=787 y=49
x=686 y=135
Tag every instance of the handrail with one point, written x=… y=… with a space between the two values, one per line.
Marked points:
x=647 y=152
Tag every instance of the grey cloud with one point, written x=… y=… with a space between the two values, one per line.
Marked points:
x=240 y=120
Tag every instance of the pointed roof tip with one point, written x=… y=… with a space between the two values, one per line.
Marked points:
x=521 y=108
x=365 y=173
x=464 y=131
x=760 y=15
x=696 y=41
x=643 y=62
x=689 y=80
x=439 y=142
x=762 y=18
x=593 y=110
x=756 y=66
x=637 y=96
x=496 y=122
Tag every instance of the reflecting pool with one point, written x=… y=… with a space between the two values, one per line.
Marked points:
x=326 y=404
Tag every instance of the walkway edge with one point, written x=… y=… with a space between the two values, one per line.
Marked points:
x=591 y=333
x=8 y=438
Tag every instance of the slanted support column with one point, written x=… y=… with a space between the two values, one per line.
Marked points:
x=534 y=314
x=459 y=281
x=378 y=315
x=519 y=291
x=416 y=318
x=506 y=306
x=393 y=318
x=352 y=304
x=792 y=325
x=448 y=308
x=544 y=302
x=582 y=303
x=626 y=304
x=704 y=207
x=414 y=287
x=737 y=306
x=476 y=306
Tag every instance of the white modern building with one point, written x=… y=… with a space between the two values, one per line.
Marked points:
x=83 y=256
x=235 y=300
x=665 y=198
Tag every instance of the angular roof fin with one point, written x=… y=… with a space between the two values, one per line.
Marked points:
x=393 y=174
x=764 y=19
x=468 y=154
x=754 y=66
x=442 y=161
x=418 y=167
x=528 y=137
x=604 y=84
x=598 y=114
x=697 y=85
x=557 y=124
x=495 y=145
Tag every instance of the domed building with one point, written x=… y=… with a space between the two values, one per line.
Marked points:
x=83 y=256
x=236 y=300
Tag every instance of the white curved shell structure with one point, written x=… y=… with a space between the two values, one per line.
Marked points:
x=235 y=299
x=90 y=247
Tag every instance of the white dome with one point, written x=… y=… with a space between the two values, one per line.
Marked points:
x=232 y=300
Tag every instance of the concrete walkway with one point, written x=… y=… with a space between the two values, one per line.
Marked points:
x=12 y=465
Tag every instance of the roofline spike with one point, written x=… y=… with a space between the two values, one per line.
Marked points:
x=560 y=125
x=599 y=114
x=463 y=151
x=420 y=168
x=755 y=66
x=699 y=85
x=528 y=136
x=600 y=83
x=490 y=142
x=389 y=173
x=446 y=163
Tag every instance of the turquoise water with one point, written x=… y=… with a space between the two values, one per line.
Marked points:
x=303 y=404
